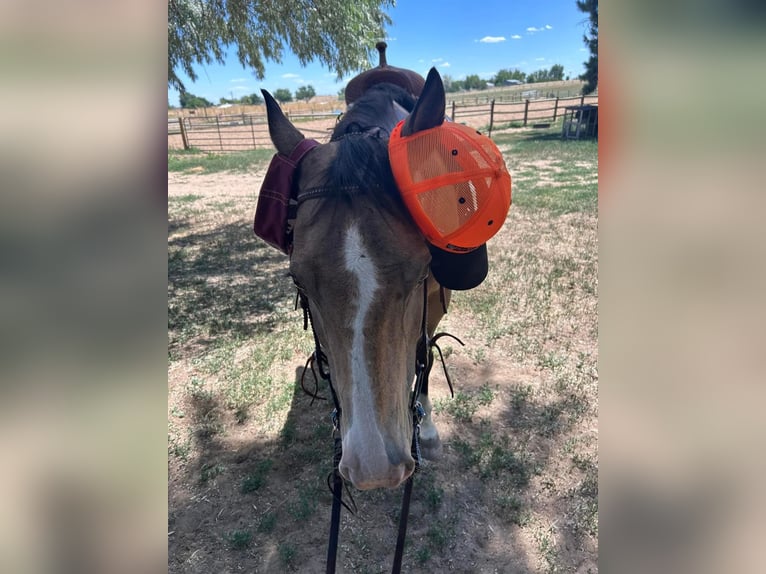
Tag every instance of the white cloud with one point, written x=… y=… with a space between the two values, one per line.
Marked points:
x=492 y=39
x=290 y=76
x=421 y=61
x=539 y=59
x=548 y=27
x=532 y=29
x=515 y=37
x=445 y=65
x=437 y=60
x=390 y=39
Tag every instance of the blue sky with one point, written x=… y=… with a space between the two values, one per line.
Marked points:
x=459 y=37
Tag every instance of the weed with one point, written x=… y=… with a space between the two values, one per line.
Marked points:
x=546 y=546
x=434 y=496
x=440 y=533
x=464 y=406
x=485 y=395
x=491 y=457
x=512 y=509
x=267 y=522
x=287 y=554
x=239 y=539
x=209 y=471
x=551 y=360
x=179 y=449
x=520 y=395
x=423 y=555
x=304 y=507
x=256 y=479
x=197 y=391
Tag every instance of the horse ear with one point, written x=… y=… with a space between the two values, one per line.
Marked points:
x=284 y=135
x=430 y=107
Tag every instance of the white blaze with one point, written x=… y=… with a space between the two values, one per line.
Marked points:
x=359 y=263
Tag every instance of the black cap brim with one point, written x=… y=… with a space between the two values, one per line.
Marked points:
x=459 y=271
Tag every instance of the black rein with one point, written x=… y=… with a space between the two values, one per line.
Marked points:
x=424 y=362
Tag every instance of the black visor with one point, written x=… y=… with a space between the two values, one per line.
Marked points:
x=459 y=271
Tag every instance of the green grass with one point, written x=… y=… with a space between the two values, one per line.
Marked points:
x=184 y=161
x=548 y=173
x=491 y=455
x=257 y=479
x=464 y=405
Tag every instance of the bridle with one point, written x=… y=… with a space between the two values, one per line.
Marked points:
x=423 y=363
x=318 y=361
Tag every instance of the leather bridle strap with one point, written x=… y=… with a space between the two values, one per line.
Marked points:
x=422 y=368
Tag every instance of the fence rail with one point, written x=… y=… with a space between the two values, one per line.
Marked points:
x=240 y=132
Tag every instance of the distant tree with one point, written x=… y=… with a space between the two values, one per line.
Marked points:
x=537 y=76
x=507 y=74
x=556 y=73
x=200 y=31
x=305 y=93
x=590 y=7
x=452 y=85
x=189 y=101
x=222 y=101
x=342 y=93
x=251 y=100
x=283 y=95
x=474 y=82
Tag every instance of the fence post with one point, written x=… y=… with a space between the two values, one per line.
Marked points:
x=491 y=116
x=555 y=108
x=582 y=100
x=526 y=110
x=453 y=110
x=252 y=131
x=184 y=137
x=218 y=126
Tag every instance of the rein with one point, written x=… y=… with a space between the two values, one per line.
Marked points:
x=424 y=362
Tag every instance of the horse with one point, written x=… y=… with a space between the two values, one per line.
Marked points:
x=363 y=265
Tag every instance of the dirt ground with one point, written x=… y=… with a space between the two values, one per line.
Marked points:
x=474 y=534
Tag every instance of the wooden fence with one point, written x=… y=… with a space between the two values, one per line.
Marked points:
x=240 y=132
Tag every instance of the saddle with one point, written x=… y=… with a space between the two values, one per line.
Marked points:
x=408 y=80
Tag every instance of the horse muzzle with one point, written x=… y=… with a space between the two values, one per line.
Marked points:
x=370 y=469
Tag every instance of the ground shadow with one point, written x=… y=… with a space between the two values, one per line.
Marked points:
x=222 y=282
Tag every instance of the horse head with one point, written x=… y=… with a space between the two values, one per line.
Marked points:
x=362 y=263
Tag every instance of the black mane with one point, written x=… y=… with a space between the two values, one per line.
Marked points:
x=362 y=136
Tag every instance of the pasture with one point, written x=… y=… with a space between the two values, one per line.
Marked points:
x=248 y=454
